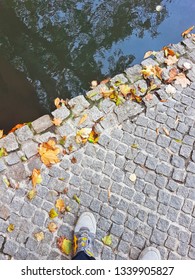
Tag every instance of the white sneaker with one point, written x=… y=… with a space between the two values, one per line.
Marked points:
x=84 y=234
x=150 y=253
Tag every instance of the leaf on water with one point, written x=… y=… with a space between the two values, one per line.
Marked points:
x=107 y=240
x=133 y=177
x=166 y=131
x=52 y=227
x=76 y=198
x=1 y=133
x=3 y=152
x=53 y=214
x=39 y=236
x=65 y=245
x=36 y=177
x=135 y=146
x=170 y=60
x=83 y=119
x=16 y=127
x=10 y=228
x=181 y=79
x=49 y=152
x=31 y=194
x=57 y=121
x=187 y=31
x=60 y=205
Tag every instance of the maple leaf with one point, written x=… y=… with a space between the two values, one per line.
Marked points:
x=168 y=51
x=16 y=127
x=107 y=240
x=187 y=31
x=181 y=79
x=49 y=152
x=10 y=228
x=170 y=60
x=36 y=177
x=53 y=214
x=152 y=70
x=57 y=121
x=172 y=74
x=52 y=227
x=60 y=205
x=65 y=245
x=39 y=236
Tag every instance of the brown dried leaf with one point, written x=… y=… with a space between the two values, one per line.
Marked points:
x=60 y=205
x=73 y=160
x=49 y=152
x=187 y=31
x=168 y=51
x=57 y=121
x=36 y=177
x=172 y=74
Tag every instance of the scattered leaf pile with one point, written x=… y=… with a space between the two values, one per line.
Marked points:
x=49 y=152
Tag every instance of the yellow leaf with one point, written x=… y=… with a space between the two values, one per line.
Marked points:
x=135 y=146
x=187 y=31
x=60 y=205
x=76 y=198
x=52 y=227
x=82 y=135
x=10 y=228
x=125 y=89
x=3 y=152
x=16 y=127
x=168 y=51
x=107 y=240
x=6 y=181
x=39 y=236
x=49 y=152
x=31 y=194
x=93 y=137
x=57 y=121
x=53 y=214
x=1 y=134
x=83 y=119
x=65 y=245
x=36 y=177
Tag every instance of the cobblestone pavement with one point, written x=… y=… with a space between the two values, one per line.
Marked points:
x=154 y=140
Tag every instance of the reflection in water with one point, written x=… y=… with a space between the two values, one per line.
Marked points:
x=62 y=45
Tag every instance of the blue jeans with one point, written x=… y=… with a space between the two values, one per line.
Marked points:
x=82 y=256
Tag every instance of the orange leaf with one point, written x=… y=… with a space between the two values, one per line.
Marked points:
x=16 y=127
x=57 y=121
x=168 y=51
x=49 y=152
x=172 y=74
x=83 y=119
x=60 y=205
x=59 y=102
x=1 y=134
x=187 y=31
x=36 y=177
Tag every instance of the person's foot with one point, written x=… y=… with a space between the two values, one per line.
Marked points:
x=84 y=234
x=150 y=253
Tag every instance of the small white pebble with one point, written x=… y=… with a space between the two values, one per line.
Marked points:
x=132 y=177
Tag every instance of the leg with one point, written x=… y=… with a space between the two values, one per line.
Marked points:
x=82 y=256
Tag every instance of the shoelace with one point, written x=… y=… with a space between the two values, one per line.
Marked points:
x=84 y=242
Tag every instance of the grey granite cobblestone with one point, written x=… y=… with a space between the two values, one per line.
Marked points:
x=157 y=208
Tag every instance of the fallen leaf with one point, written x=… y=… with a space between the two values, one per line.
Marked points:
x=53 y=214
x=3 y=152
x=39 y=236
x=76 y=198
x=187 y=31
x=83 y=119
x=82 y=135
x=107 y=240
x=168 y=51
x=149 y=53
x=36 y=177
x=163 y=100
x=52 y=227
x=62 y=140
x=170 y=60
x=93 y=137
x=94 y=84
x=152 y=70
x=133 y=177
x=59 y=102
x=105 y=81
x=166 y=131
x=49 y=152
x=23 y=158
x=68 y=209
x=178 y=140
x=10 y=228
x=157 y=130
x=73 y=160
x=172 y=74
x=109 y=193
x=134 y=146
x=149 y=96
x=16 y=127
x=1 y=134
x=60 y=205
x=31 y=194
x=65 y=245
x=6 y=181
x=170 y=90
x=57 y=121
x=181 y=79
x=177 y=120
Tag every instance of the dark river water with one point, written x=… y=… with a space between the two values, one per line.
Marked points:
x=56 y=48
